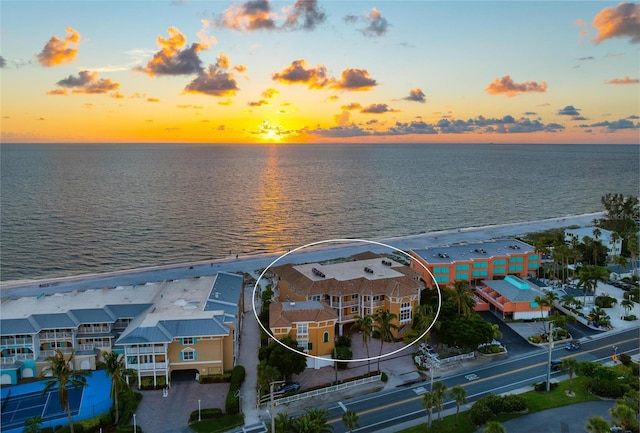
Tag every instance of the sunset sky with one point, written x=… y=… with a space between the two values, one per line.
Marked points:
x=320 y=71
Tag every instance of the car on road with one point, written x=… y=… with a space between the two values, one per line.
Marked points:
x=556 y=364
x=573 y=345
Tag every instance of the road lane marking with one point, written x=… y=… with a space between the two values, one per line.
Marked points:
x=342 y=406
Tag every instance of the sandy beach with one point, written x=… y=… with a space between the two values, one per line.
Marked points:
x=251 y=262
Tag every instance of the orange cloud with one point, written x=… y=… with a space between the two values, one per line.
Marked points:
x=621 y=21
x=507 y=86
x=352 y=106
x=213 y=82
x=355 y=80
x=252 y=15
x=172 y=59
x=87 y=83
x=625 y=80
x=58 y=51
x=297 y=73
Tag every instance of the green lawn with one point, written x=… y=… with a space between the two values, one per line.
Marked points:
x=536 y=401
x=221 y=424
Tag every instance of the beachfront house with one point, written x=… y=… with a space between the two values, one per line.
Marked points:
x=475 y=262
x=510 y=298
x=311 y=323
x=610 y=240
x=171 y=327
x=358 y=286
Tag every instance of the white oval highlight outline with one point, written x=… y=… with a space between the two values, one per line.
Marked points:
x=312 y=244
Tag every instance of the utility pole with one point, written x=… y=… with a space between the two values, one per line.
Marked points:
x=273 y=418
x=549 y=360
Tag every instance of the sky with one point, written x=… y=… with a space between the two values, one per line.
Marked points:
x=312 y=71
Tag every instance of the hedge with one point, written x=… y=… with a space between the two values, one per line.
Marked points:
x=232 y=403
x=210 y=413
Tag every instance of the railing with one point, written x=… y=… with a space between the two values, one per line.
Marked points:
x=55 y=335
x=344 y=303
x=17 y=357
x=313 y=393
x=457 y=358
x=148 y=366
x=6 y=341
x=94 y=330
x=64 y=350
x=85 y=347
x=144 y=350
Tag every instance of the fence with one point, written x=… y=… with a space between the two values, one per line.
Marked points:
x=320 y=391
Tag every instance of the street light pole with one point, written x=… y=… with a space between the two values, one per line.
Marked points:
x=135 y=427
x=273 y=418
x=199 y=414
x=548 y=388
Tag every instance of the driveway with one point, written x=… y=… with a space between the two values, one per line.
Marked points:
x=170 y=414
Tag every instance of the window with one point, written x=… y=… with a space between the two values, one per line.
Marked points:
x=302 y=329
x=188 y=355
x=441 y=270
x=316 y=298
x=354 y=296
x=513 y=268
x=480 y=264
x=499 y=262
x=354 y=309
x=405 y=312
x=462 y=277
x=325 y=337
x=188 y=340
x=462 y=267
x=515 y=260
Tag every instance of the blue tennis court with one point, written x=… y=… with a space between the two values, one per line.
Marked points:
x=21 y=402
x=16 y=409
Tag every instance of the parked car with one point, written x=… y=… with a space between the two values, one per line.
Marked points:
x=556 y=364
x=573 y=345
x=287 y=388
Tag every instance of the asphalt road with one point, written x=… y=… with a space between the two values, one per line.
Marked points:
x=385 y=411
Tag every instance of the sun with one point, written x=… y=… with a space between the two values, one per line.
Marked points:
x=270 y=132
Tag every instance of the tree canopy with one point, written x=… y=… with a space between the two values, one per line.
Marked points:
x=287 y=362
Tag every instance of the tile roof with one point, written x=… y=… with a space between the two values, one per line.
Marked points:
x=473 y=251
x=284 y=314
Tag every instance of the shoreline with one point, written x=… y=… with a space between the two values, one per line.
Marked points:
x=443 y=237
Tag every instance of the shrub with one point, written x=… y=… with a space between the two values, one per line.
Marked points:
x=384 y=377
x=206 y=414
x=77 y=428
x=232 y=403
x=542 y=386
x=607 y=388
x=215 y=378
x=343 y=352
x=604 y=301
x=630 y=317
x=625 y=359
x=491 y=405
x=343 y=341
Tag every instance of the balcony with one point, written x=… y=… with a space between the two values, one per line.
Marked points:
x=94 y=330
x=144 y=350
x=47 y=353
x=17 y=357
x=149 y=366
x=63 y=335
x=14 y=341
x=85 y=347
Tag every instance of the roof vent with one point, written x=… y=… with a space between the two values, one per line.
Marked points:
x=317 y=273
x=368 y=270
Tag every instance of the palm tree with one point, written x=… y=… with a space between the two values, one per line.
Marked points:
x=313 y=421
x=597 y=424
x=542 y=302
x=628 y=305
x=624 y=415
x=119 y=373
x=497 y=333
x=33 y=424
x=383 y=325
x=350 y=420
x=570 y=365
x=494 y=427
x=64 y=378
x=423 y=316
x=459 y=394
x=622 y=263
x=596 y=235
x=461 y=296
x=365 y=325
x=585 y=282
x=428 y=401
x=283 y=423
x=439 y=391
x=599 y=316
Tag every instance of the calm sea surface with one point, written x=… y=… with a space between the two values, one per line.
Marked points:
x=73 y=209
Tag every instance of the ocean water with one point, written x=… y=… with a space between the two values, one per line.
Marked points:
x=74 y=209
